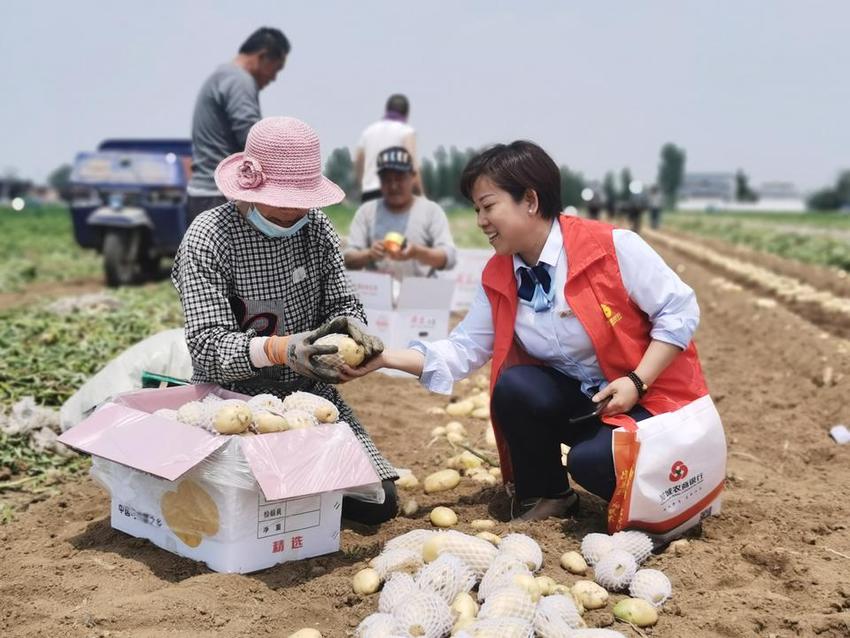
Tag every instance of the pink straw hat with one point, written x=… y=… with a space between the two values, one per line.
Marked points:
x=281 y=166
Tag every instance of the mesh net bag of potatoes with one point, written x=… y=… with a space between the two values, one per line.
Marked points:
x=498 y=628
x=502 y=573
x=397 y=588
x=398 y=559
x=475 y=552
x=508 y=602
x=447 y=576
x=424 y=613
x=556 y=616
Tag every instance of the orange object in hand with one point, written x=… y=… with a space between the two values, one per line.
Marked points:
x=394 y=242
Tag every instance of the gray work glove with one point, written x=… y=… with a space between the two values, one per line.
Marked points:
x=302 y=356
x=299 y=352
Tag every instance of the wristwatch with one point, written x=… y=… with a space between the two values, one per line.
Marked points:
x=642 y=388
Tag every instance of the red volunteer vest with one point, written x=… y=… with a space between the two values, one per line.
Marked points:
x=617 y=327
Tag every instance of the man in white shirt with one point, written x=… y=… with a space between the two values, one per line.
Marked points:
x=391 y=130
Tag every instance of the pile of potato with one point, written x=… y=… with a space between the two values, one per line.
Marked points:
x=266 y=413
x=447 y=583
x=443 y=582
x=464 y=464
x=479 y=466
x=475 y=405
x=261 y=414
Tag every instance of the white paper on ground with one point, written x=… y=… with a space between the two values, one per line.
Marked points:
x=840 y=434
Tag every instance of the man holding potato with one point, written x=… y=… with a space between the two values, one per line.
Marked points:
x=400 y=233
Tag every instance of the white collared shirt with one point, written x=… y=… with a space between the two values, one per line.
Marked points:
x=555 y=336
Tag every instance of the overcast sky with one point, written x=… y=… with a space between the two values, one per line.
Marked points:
x=601 y=85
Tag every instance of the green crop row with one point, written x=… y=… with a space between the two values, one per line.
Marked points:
x=38 y=246
x=836 y=219
x=50 y=356
x=815 y=248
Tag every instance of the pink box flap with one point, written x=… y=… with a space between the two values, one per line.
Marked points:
x=140 y=440
x=308 y=461
x=285 y=464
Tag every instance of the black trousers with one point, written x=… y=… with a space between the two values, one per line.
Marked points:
x=655 y=218
x=372 y=513
x=635 y=219
x=533 y=405
x=197 y=205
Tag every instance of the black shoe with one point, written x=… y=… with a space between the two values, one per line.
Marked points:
x=500 y=506
x=538 y=509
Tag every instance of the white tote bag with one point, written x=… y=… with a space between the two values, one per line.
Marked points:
x=670 y=470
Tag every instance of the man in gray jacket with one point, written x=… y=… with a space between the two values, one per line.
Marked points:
x=228 y=106
x=400 y=233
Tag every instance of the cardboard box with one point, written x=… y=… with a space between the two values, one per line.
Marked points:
x=466 y=275
x=236 y=503
x=418 y=308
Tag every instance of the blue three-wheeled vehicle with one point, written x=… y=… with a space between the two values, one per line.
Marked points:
x=129 y=203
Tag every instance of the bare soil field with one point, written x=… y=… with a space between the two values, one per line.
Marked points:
x=775 y=563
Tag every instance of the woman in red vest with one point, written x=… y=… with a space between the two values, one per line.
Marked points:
x=587 y=328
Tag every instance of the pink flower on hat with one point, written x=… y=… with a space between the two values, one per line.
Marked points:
x=250 y=173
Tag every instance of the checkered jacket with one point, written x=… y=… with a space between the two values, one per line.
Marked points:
x=235 y=283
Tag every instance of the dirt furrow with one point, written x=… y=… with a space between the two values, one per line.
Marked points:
x=773 y=563
x=820 y=295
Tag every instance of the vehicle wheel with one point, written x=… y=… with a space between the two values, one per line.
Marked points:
x=151 y=267
x=121 y=251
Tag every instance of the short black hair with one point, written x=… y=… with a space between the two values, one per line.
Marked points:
x=398 y=103
x=267 y=39
x=517 y=168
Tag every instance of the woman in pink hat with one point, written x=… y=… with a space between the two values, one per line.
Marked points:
x=262 y=277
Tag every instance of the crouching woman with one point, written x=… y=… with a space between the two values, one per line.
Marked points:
x=261 y=278
x=586 y=326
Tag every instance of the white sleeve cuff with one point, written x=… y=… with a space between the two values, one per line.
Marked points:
x=436 y=375
x=679 y=338
x=257 y=352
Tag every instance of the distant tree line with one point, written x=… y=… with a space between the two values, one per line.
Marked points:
x=441 y=176
x=743 y=192
x=671 y=173
x=834 y=197
x=339 y=168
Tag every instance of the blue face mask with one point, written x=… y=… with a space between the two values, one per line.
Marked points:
x=270 y=229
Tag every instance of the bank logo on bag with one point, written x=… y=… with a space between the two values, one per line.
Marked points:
x=678 y=471
x=610 y=315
